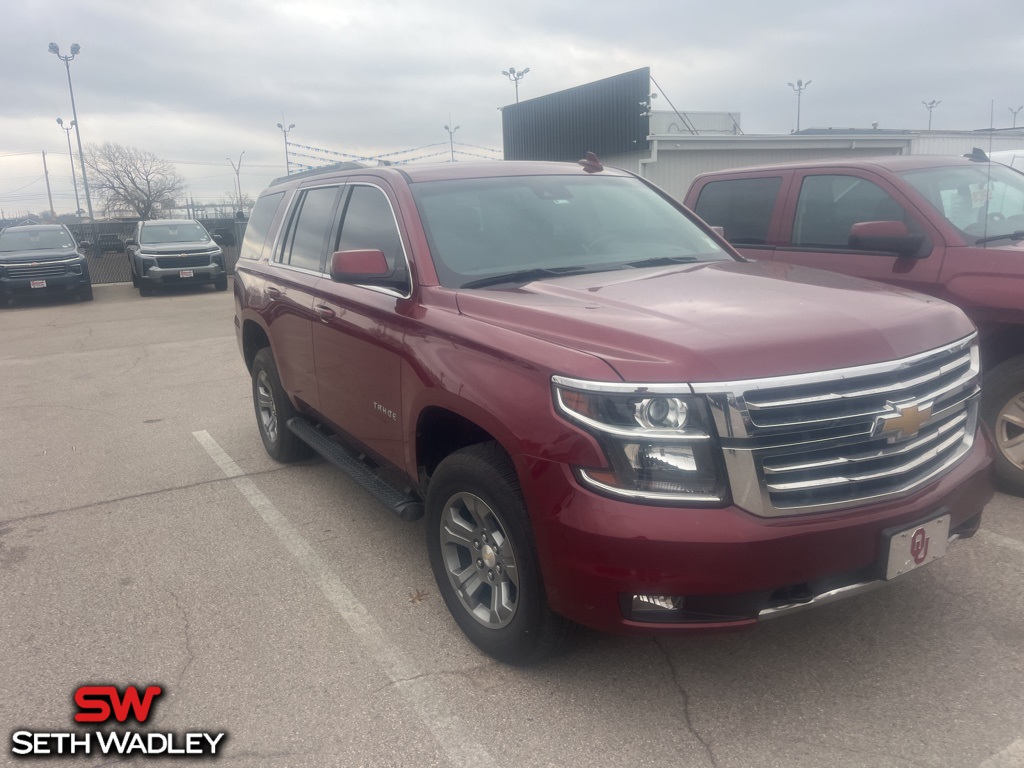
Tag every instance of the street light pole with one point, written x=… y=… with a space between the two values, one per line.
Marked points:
x=71 y=155
x=1015 y=111
x=930 y=105
x=238 y=178
x=287 y=162
x=799 y=88
x=514 y=77
x=75 y=48
x=451 y=137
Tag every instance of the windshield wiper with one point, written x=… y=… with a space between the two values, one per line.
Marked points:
x=662 y=261
x=528 y=275
x=1015 y=236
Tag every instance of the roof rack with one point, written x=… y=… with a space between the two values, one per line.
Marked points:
x=348 y=166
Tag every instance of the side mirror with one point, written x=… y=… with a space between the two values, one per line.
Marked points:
x=85 y=245
x=218 y=240
x=129 y=241
x=358 y=266
x=886 y=237
x=720 y=231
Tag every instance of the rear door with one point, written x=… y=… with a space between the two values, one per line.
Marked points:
x=822 y=206
x=747 y=207
x=295 y=269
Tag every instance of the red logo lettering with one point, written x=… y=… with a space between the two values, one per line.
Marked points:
x=96 y=703
x=919 y=546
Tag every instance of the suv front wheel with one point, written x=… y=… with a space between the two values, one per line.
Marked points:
x=480 y=545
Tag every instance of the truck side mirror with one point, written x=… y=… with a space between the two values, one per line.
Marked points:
x=358 y=266
x=886 y=237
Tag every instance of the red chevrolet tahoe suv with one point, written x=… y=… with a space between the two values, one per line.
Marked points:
x=606 y=417
x=951 y=227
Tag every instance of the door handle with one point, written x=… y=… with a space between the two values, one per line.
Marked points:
x=272 y=292
x=324 y=312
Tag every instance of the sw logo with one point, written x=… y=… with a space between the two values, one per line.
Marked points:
x=93 y=700
x=102 y=704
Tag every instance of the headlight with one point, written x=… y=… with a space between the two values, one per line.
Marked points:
x=659 y=443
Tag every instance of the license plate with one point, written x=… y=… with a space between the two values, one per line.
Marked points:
x=915 y=546
x=38 y=283
x=186 y=273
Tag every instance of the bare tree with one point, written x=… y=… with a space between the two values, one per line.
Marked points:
x=129 y=179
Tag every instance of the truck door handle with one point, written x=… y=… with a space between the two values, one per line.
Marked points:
x=272 y=292
x=324 y=312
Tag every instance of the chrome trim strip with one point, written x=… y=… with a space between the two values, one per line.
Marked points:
x=622 y=388
x=648 y=496
x=640 y=433
x=823 y=599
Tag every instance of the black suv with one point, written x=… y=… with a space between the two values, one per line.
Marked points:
x=42 y=258
x=174 y=252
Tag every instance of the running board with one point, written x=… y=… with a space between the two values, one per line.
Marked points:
x=404 y=504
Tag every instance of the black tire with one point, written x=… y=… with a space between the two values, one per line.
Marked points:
x=273 y=410
x=135 y=280
x=1002 y=408
x=477 y=523
x=145 y=290
x=221 y=283
x=85 y=294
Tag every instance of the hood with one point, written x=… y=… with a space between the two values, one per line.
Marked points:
x=722 y=321
x=42 y=254
x=190 y=246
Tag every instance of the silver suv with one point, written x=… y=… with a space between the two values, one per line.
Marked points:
x=174 y=252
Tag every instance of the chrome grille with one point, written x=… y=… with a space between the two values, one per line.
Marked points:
x=184 y=261
x=807 y=443
x=35 y=271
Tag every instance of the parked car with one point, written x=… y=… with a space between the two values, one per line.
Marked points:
x=952 y=227
x=109 y=242
x=42 y=258
x=172 y=252
x=606 y=416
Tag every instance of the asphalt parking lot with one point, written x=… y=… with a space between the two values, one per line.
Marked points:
x=146 y=538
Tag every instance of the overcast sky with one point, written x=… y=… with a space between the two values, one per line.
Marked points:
x=199 y=82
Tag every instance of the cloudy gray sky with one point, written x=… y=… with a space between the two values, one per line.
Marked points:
x=196 y=82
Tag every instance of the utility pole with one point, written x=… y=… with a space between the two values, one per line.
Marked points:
x=930 y=105
x=238 y=178
x=451 y=137
x=49 y=195
x=514 y=77
x=1015 y=111
x=799 y=89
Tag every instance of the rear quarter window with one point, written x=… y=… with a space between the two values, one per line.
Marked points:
x=260 y=219
x=742 y=207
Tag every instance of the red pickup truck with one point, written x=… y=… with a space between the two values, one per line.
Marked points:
x=604 y=414
x=951 y=227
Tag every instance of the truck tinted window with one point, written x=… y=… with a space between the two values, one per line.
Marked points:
x=829 y=205
x=370 y=223
x=260 y=219
x=742 y=207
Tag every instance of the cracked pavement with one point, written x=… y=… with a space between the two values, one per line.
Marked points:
x=127 y=557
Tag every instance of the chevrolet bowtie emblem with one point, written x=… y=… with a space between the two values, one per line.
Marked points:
x=905 y=422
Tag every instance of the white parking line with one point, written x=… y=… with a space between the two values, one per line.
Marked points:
x=422 y=693
x=1003 y=541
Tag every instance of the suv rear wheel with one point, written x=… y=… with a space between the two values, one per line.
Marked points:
x=273 y=410
x=481 y=550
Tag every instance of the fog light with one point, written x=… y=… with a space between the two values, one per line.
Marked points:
x=656 y=603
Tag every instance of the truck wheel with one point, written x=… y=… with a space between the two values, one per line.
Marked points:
x=480 y=545
x=85 y=294
x=221 y=283
x=273 y=410
x=135 y=280
x=1002 y=408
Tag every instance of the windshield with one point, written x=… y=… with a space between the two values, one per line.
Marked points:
x=480 y=229
x=35 y=240
x=982 y=201
x=185 y=232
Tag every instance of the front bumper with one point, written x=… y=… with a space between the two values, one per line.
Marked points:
x=204 y=274
x=731 y=567
x=68 y=282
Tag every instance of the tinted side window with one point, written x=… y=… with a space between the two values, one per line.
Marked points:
x=370 y=223
x=829 y=205
x=260 y=219
x=311 y=226
x=742 y=207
